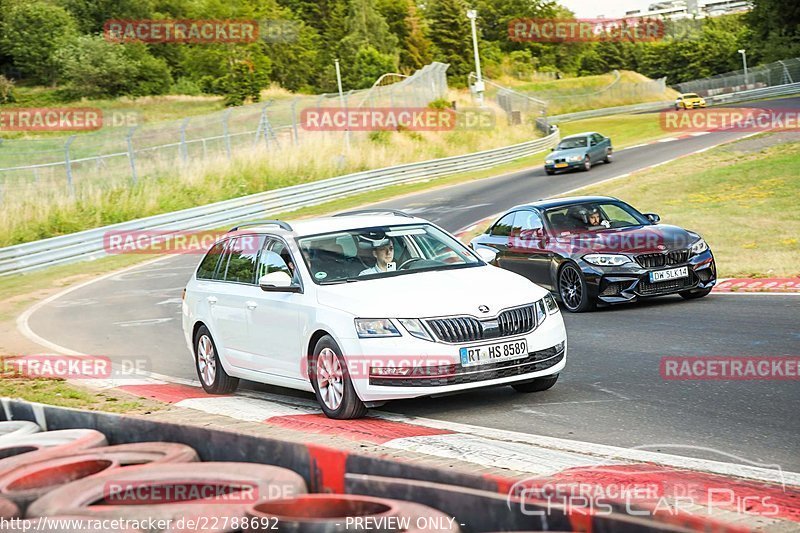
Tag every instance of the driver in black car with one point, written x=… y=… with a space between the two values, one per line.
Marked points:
x=383 y=251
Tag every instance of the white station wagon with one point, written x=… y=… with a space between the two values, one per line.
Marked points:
x=366 y=307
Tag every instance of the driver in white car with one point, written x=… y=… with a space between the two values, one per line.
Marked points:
x=383 y=252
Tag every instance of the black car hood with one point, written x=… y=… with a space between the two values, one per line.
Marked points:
x=637 y=239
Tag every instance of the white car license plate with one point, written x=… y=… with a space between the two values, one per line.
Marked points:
x=490 y=353
x=666 y=275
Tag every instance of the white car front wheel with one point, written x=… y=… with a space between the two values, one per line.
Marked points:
x=332 y=383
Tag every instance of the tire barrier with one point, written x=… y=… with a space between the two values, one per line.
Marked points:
x=174 y=494
x=27 y=482
x=17 y=451
x=330 y=513
x=171 y=491
x=8 y=509
x=18 y=428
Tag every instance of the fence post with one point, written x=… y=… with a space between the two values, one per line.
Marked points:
x=68 y=164
x=184 y=151
x=294 y=122
x=225 y=132
x=132 y=153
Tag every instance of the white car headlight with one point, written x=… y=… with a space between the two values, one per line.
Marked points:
x=375 y=327
x=541 y=311
x=699 y=247
x=416 y=329
x=548 y=161
x=551 y=304
x=606 y=259
x=574 y=158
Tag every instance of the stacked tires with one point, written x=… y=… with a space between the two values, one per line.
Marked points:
x=76 y=481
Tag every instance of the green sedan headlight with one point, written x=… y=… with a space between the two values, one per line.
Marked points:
x=575 y=158
x=548 y=161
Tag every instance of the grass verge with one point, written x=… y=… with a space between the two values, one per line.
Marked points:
x=624 y=130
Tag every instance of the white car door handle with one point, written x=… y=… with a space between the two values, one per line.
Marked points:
x=212 y=300
x=251 y=304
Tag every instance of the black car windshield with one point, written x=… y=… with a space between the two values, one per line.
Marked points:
x=382 y=251
x=593 y=216
x=570 y=143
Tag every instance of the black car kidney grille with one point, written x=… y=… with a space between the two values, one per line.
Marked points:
x=674 y=257
x=467 y=329
x=649 y=289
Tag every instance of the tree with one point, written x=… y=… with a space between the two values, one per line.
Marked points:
x=367 y=45
x=31 y=33
x=776 y=30
x=368 y=66
x=451 y=36
x=408 y=26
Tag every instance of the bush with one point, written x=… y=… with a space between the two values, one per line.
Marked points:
x=380 y=137
x=30 y=33
x=186 y=86
x=6 y=90
x=93 y=67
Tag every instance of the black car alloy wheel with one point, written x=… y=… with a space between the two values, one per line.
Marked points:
x=572 y=289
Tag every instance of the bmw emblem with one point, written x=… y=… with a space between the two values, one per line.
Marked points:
x=483 y=309
x=662 y=247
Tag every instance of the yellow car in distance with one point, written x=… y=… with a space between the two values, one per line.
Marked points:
x=689 y=101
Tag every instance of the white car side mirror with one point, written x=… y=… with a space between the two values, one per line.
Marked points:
x=278 y=281
x=487 y=254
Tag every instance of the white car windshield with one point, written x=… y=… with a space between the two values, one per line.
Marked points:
x=382 y=251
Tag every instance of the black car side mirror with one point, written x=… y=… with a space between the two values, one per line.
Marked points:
x=652 y=217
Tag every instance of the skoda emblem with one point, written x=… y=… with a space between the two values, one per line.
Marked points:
x=483 y=309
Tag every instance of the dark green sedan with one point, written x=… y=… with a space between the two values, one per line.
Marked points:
x=579 y=151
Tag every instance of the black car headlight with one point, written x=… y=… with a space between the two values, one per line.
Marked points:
x=606 y=259
x=699 y=247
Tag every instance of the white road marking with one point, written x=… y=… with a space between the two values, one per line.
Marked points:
x=667 y=139
x=76 y=303
x=245 y=409
x=699 y=133
x=170 y=301
x=143 y=322
x=492 y=453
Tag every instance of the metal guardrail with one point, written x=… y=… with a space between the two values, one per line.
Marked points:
x=89 y=244
x=730 y=98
